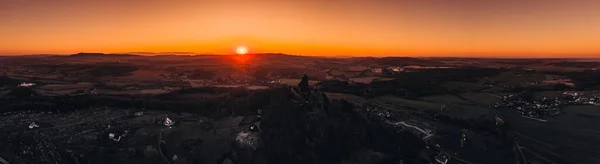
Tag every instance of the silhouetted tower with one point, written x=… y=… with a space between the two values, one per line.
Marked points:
x=303 y=85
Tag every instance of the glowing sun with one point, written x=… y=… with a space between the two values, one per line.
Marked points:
x=241 y=50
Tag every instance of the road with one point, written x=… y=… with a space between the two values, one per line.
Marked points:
x=159 y=149
x=54 y=127
x=427 y=135
x=3 y=161
x=493 y=95
x=537 y=155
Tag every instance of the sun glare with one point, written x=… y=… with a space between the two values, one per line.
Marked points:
x=241 y=50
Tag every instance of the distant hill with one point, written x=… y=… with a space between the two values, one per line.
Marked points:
x=101 y=55
x=160 y=53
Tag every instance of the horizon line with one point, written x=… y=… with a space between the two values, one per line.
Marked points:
x=149 y=54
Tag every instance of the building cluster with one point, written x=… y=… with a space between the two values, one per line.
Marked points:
x=583 y=98
x=547 y=107
x=373 y=111
x=536 y=109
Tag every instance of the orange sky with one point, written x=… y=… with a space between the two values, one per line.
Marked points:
x=476 y=28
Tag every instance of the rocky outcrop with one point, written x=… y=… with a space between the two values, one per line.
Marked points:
x=317 y=130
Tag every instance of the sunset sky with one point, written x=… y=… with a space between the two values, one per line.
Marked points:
x=474 y=28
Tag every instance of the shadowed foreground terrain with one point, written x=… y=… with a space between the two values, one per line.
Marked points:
x=289 y=130
x=101 y=108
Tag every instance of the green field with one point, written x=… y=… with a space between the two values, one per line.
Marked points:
x=580 y=116
x=348 y=97
x=62 y=89
x=143 y=75
x=466 y=111
x=444 y=99
x=483 y=99
x=511 y=78
x=572 y=136
x=461 y=86
x=414 y=104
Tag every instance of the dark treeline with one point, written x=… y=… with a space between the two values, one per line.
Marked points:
x=450 y=74
x=97 y=69
x=411 y=84
x=7 y=81
x=576 y=64
x=586 y=80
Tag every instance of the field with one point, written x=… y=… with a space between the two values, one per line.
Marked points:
x=257 y=87
x=143 y=75
x=118 y=92
x=250 y=87
x=357 y=68
x=66 y=86
x=294 y=82
x=462 y=86
x=551 y=68
x=364 y=80
x=153 y=91
x=349 y=97
x=414 y=104
x=482 y=99
x=197 y=83
x=479 y=146
x=466 y=111
x=568 y=137
x=62 y=89
x=580 y=116
x=513 y=78
x=444 y=99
